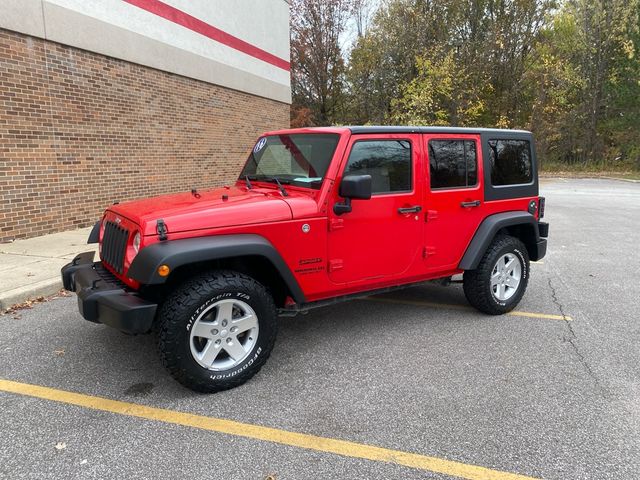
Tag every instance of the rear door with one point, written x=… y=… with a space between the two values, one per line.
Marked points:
x=454 y=198
x=380 y=237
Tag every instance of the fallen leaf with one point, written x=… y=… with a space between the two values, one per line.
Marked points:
x=30 y=303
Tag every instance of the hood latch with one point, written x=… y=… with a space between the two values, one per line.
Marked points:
x=161 y=229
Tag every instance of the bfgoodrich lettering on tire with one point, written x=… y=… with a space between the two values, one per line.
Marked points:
x=500 y=280
x=216 y=331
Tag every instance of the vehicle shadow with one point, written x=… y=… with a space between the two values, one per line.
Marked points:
x=130 y=366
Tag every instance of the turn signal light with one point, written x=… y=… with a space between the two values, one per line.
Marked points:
x=163 y=270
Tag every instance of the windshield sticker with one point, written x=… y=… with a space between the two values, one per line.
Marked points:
x=260 y=145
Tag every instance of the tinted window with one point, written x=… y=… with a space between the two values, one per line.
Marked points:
x=453 y=163
x=387 y=161
x=510 y=162
x=300 y=159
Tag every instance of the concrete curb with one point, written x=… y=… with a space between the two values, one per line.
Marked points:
x=586 y=176
x=19 y=295
x=630 y=180
x=30 y=268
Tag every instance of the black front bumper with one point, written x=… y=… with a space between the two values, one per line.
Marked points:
x=102 y=298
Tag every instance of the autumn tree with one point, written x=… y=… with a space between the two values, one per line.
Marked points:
x=566 y=69
x=586 y=106
x=485 y=41
x=441 y=93
x=317 y=63
x=384 y=58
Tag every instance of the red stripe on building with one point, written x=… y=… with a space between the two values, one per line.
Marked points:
x=194 y=24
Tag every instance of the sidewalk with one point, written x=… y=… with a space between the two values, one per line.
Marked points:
x=31 y=268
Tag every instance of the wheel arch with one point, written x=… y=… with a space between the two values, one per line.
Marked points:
x=250 y=254
x=521 y=225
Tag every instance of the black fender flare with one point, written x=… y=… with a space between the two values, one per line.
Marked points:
x=487 y=231
x=177 y=253
x=94 y=236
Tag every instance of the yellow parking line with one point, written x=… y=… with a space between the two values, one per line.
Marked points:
x=420 y=303
x=256 y=432
x=549 y=316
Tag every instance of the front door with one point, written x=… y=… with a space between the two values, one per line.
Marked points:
x=453 y=198
x=381 y=237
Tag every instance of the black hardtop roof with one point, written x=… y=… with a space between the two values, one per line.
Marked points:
x=431 y=129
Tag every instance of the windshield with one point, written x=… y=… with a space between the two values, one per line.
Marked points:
x=296 y=159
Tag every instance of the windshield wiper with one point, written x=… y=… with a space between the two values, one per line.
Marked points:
x=282 y=190
x=266 y=178
x=248 y=182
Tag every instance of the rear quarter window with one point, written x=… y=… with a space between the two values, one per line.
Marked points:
x=511 y=162
x=453 y=163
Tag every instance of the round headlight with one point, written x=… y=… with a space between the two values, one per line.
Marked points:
x=136 y=242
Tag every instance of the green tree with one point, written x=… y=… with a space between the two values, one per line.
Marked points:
x=384 y=58
x=585 y=83
x=441 y=94
x=619 y=128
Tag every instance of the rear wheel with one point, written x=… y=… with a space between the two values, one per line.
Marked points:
x=497 y=285
x=216 y=331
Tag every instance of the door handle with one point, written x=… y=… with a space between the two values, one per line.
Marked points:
x=475 y=203
x=405 y=210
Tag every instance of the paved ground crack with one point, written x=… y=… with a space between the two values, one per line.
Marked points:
x=572 y=337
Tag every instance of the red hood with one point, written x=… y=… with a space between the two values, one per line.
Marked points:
x=207 y=209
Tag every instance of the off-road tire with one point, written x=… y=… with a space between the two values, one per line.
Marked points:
x=477 y=283
x=178 y=314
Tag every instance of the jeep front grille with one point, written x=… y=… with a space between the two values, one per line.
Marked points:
x=114 y=245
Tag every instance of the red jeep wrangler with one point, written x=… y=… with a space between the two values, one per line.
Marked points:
x=316 y=216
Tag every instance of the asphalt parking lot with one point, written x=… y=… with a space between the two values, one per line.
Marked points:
x=552 y=391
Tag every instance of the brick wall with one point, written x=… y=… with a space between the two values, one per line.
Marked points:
x=79 y=131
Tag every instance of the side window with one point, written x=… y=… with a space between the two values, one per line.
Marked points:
x=510 y=162
x=387 y=161
x=453 y=163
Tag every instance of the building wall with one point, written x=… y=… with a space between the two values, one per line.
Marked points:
x=239 y=44
x=104 y=101
x=79 y=131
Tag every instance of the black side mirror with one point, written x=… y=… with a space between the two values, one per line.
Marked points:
x=353 y=187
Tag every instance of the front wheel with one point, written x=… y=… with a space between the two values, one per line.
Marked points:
x=216 y=331
x=497 y=285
